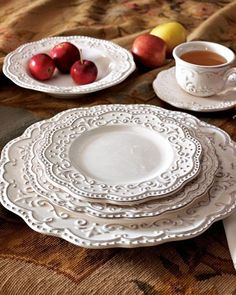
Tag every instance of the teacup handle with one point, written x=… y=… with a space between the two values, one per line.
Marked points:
x=230 y=77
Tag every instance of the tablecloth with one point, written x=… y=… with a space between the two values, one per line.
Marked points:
x=32 y=263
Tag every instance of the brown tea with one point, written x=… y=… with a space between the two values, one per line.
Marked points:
x=203 y=58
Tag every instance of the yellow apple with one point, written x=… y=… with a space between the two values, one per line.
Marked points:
x=173 y=33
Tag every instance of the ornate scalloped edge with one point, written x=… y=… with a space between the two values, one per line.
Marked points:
x=144 y=241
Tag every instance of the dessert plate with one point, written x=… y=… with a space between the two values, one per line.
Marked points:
x=124 y=154
x=92 y=232
x=114 y=65
x=167 y=89
x=193 y=189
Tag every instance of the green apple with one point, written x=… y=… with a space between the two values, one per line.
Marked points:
x=173 y=33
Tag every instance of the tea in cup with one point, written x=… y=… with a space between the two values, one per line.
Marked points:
x=203 y=68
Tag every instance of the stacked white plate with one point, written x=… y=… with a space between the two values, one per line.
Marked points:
x=120 y=176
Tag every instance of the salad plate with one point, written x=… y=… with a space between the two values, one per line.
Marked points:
x=82 y=229
x=114 y=65
x=193 y=189
x=122 y=154
x=167 y=89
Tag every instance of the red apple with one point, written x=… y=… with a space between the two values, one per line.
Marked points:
x=64 y=55
x=83 y=72
x=41 y=66
x=149 y=50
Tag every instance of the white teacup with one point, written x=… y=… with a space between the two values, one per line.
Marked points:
x=204 y=80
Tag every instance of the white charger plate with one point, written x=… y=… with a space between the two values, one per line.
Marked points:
x=92 y=232
x=114 y=65
x=123 y=154
x=167 y=89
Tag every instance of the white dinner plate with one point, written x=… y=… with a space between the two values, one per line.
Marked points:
x=167 y=89
x=114 y=65
x=192 y=190
x=119 y=154
x=92 y=232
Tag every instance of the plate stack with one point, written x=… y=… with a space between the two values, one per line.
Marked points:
x=120 y=176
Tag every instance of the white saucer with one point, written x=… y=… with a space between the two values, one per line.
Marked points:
x=167 y=89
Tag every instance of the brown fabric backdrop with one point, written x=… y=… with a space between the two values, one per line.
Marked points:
x=31 y=263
